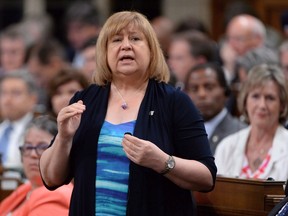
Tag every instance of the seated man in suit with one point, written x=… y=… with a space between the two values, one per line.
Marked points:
x=207 y=87
x=18 y=98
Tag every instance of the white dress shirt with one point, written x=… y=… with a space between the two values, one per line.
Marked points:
x=16 y=139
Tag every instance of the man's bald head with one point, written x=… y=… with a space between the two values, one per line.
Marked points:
x=245 y=32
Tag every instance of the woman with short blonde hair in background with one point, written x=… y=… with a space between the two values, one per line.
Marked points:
x=259 y=151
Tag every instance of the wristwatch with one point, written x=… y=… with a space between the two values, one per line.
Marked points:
x=169 y=165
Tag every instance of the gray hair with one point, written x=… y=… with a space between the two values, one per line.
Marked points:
x=45 y=123
x=24 y=75
x=16 y=31
x=259 y=28
x=255 y=57
x=284 y=46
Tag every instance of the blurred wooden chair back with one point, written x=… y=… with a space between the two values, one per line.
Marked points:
x=9 y=181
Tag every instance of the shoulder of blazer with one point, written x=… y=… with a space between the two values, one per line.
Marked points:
x=278 y=207
x=90 y=90
x=230 y=123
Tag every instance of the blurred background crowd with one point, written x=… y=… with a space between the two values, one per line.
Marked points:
x=47 y=53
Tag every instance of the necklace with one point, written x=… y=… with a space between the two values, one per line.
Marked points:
x=259 y=155
x=124 y=105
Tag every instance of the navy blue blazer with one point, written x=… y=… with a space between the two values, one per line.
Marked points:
x=175 y=126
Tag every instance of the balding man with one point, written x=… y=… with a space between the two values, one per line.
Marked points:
x=245 y=32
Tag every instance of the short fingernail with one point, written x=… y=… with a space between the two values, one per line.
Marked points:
x=128 y=133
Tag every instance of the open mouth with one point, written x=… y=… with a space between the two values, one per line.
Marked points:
x=126 y=58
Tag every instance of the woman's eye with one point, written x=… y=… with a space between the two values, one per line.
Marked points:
x=116 y=39
x=135 y=38
x=270 y=97
x=255 y=96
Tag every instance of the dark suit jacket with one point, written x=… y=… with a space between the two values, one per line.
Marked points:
x=227 y=126
x=278 y=207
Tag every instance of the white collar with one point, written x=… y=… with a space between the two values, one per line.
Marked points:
x=25 y=119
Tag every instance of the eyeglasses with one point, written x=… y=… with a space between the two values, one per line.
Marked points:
x=27 y=149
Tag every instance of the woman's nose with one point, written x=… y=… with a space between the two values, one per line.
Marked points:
x=33 y=153
x=262 y=102
x=126 y=44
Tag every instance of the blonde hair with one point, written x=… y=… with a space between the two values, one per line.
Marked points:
x=257 y=77
x=157 y=68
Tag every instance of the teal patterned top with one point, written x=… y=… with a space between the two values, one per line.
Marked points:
x=112 y=172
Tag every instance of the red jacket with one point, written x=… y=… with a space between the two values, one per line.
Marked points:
x=41 y=202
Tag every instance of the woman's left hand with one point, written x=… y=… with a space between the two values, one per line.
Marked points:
x=144 y=153
x=188 y=174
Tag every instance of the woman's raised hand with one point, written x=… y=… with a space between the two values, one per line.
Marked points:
x=69 y=118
